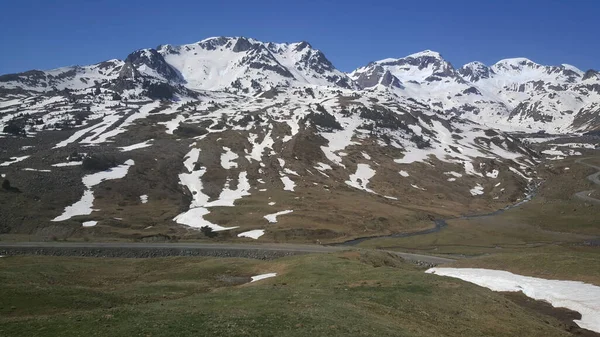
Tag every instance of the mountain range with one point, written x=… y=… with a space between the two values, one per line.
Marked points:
x=513 y=94
x=244 y=136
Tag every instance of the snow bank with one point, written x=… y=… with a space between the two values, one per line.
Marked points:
x=577 y=296
x=254 y=234
x=404 y=173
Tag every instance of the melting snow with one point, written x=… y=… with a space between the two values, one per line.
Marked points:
x=417 y=187
x=173 y=124
x=493 y=174
x=288 y=184
x=361 y=178
x=577 y=296
x=262 y=277
x=144 y=199
x=514 y=170
x=340 y=139
x=272 y=218
x=288 y=171
x=136 y=146
x=227 y=159
x=194 y=217
x=228 y=196
x=254 y=234
x=14 y=160
x=89 y=223
x=477 y=190
x=35 y=170
x=322 y=166
x=84 y=205
x=71 y=163
x=404 y=173
x=259 y=148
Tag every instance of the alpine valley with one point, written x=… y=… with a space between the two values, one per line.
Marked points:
x=249 y=140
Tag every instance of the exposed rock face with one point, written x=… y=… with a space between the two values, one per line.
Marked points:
x=148 y=61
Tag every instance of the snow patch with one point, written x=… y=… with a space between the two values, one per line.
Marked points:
x=360 y=179
x=253 y=234
x=288 y=184
x=477 y=190
x=577 y=296
x=70 y=163
x=272 y=218
x=136 y=146
x=35 y=170
x=493 y=174
x=14 y=160
x=227 y=159
x=84 y=205
x=89 y=223
x=262 y=277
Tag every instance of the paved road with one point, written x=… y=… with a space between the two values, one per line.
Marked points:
x=594 y=178
x=72 y=247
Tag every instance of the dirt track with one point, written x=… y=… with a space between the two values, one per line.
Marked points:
x=594 y=178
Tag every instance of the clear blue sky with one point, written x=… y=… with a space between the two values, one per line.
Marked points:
x=42 y=34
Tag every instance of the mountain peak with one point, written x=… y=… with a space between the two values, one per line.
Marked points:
x=514 y=64
x=425 y=53
x=474 y=71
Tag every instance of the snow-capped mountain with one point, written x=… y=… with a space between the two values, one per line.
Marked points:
x=250 y=65
x=234 y=64
x=514 y=94
x=273 y=129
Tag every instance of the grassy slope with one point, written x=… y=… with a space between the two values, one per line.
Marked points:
x=578 y=264
x=349 y=294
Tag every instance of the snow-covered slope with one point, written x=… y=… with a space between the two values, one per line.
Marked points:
x=249 y=65
x=513 y=94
